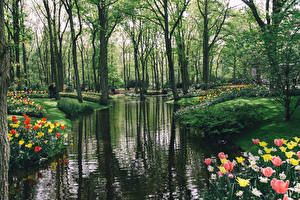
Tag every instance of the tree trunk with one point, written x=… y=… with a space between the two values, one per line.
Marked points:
x=205 y=52
x=96 y=85
x=16 y=38
x=4 y=80
x=75 y=64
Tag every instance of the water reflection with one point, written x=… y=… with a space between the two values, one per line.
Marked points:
x=133 y=150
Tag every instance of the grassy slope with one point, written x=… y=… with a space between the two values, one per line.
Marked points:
x=273 y=127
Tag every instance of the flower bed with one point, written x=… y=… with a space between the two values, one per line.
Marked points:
x=30 y=93
x=273 y=174
x=18 y=105
x=33 y=142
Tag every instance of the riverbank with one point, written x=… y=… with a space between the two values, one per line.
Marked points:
x=270 y=123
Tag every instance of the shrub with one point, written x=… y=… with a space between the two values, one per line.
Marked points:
x=33 y=142
x=222 y=121
x=73 y=108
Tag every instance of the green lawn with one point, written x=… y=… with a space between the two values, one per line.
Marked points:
x=273 y=127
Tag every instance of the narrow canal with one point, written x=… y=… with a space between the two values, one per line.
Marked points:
x=134 y=150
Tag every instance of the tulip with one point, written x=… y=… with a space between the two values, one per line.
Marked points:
x=298 y=154
x=57 y=134
x=228 y=166
x=255 y=141
x=37 y=149
x=267 y=172
x=207 y=161
x=221 y=155
x=286 y=197
x=220 y=174
x=280 y=186
x=278 y=142
x=276 y=161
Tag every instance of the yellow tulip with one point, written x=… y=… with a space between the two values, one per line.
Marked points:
x=291 y=145
x=297 y=139
x=263 y=144
x=289 y=154
x=224 y=160
x=222 y=169
x=267 y=157
x=29 y=145
x=240 y=159
x=268 y=150
x=21 y=142
x=46 y=141
x=40 y=134
x=17 y=135
x=283 y=149
x=242 y=182
x=10 y=138
x=294 y=161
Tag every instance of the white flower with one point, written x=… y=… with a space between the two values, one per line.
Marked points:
x=274 y=149
x=213 y=177
x=256 y=192
x=296 y=188
x=255 y=168
x=210 y=168
x=282 y=176
x=245 y=154
x=263 y=179
x=297 y=167
x=239 y=193
x=260 y=152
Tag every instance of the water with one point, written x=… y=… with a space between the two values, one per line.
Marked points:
x=134 y=150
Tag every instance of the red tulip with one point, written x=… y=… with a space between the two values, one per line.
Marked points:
x=267 y=172
x=278 y=142
x=222 y=155
x=207 y=161
x=280 y=186
x=62 y=127
x=37 y=149
x=276 y=160
x=27 y=127
x=41 y=108
x=57 y=134
x=12 y=131
x=228 y=166
x=14 y=119
x=35 y=127
x=25 y=116
x=298 y=154
x=44 y=119
x=255 y=141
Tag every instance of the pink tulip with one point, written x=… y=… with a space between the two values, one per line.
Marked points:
x=286 y=197
x=276 y=160
x=220 y=174
x=280 y=186
x=207 y=161
x=278 y=142
x=267 y=172
x=298 y=154
x=255 y=141
x=230 y=175
x=222 y=155
x=228 y=166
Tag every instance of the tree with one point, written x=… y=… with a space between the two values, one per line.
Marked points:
x=211 y=31
x=74 y=37
x=4 y=81
x=168 y=22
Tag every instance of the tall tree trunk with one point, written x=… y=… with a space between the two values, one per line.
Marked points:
x=96 y=84
x=52 y=46
x=205 y=49
x=16 y=38
x=4 y=81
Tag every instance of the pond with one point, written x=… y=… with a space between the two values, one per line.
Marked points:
x=134 y=150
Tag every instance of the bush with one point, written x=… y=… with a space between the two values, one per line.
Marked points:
x=222 y=121
x=73 y=108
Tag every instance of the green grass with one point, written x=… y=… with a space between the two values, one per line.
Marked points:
x=273 y=126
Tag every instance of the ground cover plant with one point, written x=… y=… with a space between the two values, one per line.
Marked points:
x=34 y=141
x=221 y=120
x=73 y=108
x=272 y=173
x=18 y=105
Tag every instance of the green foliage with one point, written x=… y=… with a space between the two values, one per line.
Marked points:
x=73 y=108
x=221 y=120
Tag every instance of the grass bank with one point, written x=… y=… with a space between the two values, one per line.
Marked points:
x=271 y=125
